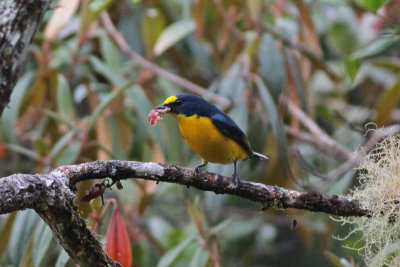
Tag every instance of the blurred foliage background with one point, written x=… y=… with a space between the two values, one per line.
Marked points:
x=84 y=96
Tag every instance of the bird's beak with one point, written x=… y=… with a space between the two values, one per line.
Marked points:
x=161 y=106
x=162 y=109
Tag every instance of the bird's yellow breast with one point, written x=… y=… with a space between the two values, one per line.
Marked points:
x=207 y=141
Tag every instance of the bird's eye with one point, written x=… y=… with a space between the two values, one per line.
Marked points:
x=178 y=102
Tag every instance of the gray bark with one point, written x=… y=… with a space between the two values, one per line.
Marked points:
x=269 y=196
x=51 y=196
x=19 y=20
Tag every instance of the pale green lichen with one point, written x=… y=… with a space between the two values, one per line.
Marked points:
x=379 y=192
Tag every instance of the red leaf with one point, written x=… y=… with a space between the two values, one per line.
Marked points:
x=118 y=245
x=3 y=150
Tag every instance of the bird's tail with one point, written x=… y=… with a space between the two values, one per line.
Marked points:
x=260 y=156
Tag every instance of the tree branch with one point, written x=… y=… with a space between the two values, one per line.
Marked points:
x=19 y=21
x=269 y=196
x=50 y=196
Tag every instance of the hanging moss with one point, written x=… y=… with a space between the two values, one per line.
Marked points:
x=379 y=192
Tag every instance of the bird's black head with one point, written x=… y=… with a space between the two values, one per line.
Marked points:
x=187 y=104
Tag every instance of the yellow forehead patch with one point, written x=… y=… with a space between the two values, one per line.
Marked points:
x=170 y=99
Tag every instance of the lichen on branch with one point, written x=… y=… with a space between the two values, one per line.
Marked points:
x=379 y=192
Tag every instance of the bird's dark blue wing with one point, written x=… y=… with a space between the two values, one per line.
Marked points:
x=231 y=130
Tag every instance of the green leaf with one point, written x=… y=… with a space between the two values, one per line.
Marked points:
x=159 y=228
x=26 y=260
x=41 y=242
x=21 y=234
x=5 y=232
x=269 y=103
x=59 y=118
x=91 y=9
x=65 y=105
x=62 y=259
x=61 y=143
x=276 y=122
x=252 y=44
x=232 y=85
x=200 y=257
x=241 y=229
x=105 y=101
x=116 y=147
x=23 y=151
x=386 y=102
x=107 y=71
x=374 y=48
x=70 y=154
x=336 y=261
x=172 y=35
x=109 y=52
x=219 y=227
x=41 y=146
x=10 y=114
x=169 y=257
x=342 y=38
x=343 y=182
x=372 y=5
x=388 y=63
x=272 y=67
x=153 y=24
x=352 y=68
x=98 y=5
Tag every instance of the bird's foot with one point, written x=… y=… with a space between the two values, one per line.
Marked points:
x=197 y=170
x=236 y=182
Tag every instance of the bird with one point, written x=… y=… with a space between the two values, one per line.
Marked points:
x=208 y=131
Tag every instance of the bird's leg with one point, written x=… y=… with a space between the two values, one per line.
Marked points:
x=236 y=179
x=202 y=165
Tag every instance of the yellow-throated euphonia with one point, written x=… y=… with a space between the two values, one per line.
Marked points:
x=209 y=132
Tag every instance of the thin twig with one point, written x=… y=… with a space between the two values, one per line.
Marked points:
x=334 y=150
x=318 y=62
x=120 y=41
x=317 y=132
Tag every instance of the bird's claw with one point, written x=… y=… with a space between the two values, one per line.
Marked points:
x=236 y=182
x=197 y=171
